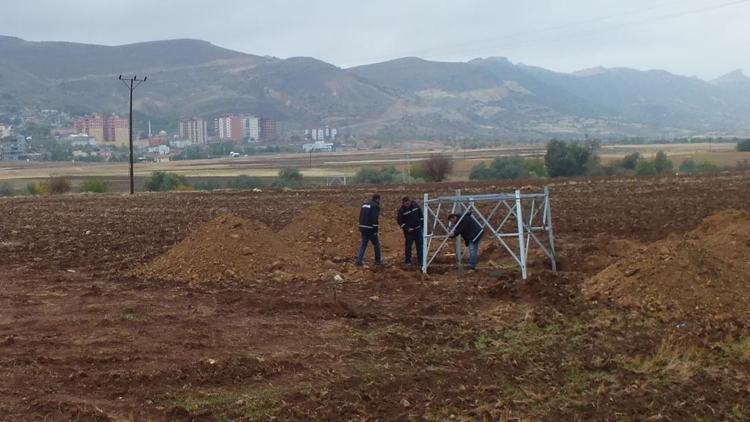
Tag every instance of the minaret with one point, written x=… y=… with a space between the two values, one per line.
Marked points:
x=150 y=135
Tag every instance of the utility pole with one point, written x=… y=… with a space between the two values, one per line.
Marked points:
x=131 y=84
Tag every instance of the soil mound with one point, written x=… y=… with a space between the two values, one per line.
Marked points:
x=228 y=248
x=702 y=275
x=330 y=232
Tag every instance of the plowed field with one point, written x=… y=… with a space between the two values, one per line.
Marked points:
x=90 y=329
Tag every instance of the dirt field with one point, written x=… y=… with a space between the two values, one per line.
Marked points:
x=88 y=333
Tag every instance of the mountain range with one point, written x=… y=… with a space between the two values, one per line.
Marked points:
x=406 y=98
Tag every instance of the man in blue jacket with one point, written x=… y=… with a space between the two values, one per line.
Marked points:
x=410 y=219
x=368 y=228
x=471 y=231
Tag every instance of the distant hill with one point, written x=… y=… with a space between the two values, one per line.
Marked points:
x=501 y=97
x=186 y=78
x=403 y=98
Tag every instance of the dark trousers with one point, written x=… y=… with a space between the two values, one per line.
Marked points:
x=366 y=238
x=411 y=237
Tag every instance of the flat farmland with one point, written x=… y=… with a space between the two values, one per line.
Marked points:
x=88 y=331
x=318 y=166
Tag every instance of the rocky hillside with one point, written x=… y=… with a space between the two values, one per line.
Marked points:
x=403 y=98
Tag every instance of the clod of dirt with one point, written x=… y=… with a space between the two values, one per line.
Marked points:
x=703 y=275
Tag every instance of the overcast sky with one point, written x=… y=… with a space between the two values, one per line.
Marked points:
x=706 y=38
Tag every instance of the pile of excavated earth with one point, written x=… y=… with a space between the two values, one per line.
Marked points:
x=230 y=248
x=701 y=275
x=226 y=248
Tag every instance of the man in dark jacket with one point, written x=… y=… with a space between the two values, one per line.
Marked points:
x=410 y=220
x=368 y=228
x=471 y=231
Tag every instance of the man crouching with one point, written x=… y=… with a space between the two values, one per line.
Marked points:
x=471 y=231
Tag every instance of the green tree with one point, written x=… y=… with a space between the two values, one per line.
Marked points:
x=630 y=161
x=160 y=181
x=662 y=164
x=566 y=159
x=290 y=177
x=743 y=145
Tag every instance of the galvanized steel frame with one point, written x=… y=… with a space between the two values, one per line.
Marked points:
x=528 y=228
x=336 y=179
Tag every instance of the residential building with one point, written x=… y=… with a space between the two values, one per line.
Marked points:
x=140 y=144
x=251 y=128
x=117 y=130
x=194 y=130
x=321 y=134
x=268 y=129
x=91 y=125
x=318 y=146
x=180 y=143
x=80 y=140
x=229 y=128
x=159 y=150
x=4 y=131
x=13 y=148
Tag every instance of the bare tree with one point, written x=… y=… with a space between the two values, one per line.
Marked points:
x=437 y=167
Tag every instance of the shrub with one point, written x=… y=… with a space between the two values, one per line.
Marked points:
x=37 y=188
x=743 y=165
x=244 y=181
x=645 y=168
x=59 y=185
x=437 y=168
x=564 y=159
x=209 y=185
x=7 y=190
x=417 y=172
x=690 y=166
x=94 y=186
x=659 y=165
x=289 y=177
x=160 y=181
x=743 y=145
x=370 y=176
x=536 y=167
x=502 y=168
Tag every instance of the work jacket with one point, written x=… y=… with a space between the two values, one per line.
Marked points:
x=469 y=229
x=410 y=218
x=368 y=217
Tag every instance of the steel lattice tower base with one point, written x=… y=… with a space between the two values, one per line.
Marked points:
x=514 y=220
